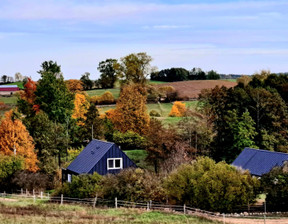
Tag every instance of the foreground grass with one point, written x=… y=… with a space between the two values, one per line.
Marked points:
x=26 y=212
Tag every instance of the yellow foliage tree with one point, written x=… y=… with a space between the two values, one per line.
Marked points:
x=74 y=85
x=105 y=98
x=14 y=135
x=81 y=105
x=131 y=112
x=178 y=109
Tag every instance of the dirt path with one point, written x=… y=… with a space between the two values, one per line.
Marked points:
x=253 y=221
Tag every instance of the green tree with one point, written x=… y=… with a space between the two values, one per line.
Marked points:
x=211 y=186
x=197 y=74
x=108 y=75
x=134 y=68
x=9 y=165
x=213 y=75
x=50 y=139
x=50 y=67
x=275 y=186
x=52 y=95
x=87 y=82
x=171 y=75
x=92 y=125
x=243 y=131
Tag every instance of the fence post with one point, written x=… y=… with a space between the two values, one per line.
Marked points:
x=21 y=191
x=150 y=204
x=41 y=195
x=48 y=196
x=224 y=218
x=147 y=205
x=95 y=201
x=184 y=209
x=33 y=192
x=34 y=198
x=26 y=192
x=116 y=206
x=61 y=199
x=264 y=204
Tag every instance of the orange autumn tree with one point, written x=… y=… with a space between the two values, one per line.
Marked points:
x=13 y=134
x=178 y=109
x=81 y=105
x=74 y=85
x=26 y=102
x=131 y=111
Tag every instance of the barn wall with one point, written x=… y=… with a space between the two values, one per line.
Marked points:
x=114 y=152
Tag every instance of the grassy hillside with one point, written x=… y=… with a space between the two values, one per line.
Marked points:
x=138 y=156
x=27 y=212
x=162 y=108
x=115 y=92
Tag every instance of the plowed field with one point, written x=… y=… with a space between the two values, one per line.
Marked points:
x=191 y=89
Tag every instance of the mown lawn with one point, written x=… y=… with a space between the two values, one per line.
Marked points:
x=27 y=212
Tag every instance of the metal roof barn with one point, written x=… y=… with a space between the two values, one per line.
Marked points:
x=258 y=161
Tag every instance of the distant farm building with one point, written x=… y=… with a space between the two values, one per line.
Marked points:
x=98 y=156
x=258 y=161
x=8 y=90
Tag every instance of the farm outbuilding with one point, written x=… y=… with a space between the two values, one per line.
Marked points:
x=258 y=161
x=98 y=156
x=8 y=90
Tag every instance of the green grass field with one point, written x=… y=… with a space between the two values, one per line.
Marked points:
x=162 y=108
x=26 y=211
x=9 y=99
x=138 y=156
x=19 y=84
x=115 y=92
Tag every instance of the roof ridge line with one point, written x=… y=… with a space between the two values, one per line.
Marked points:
x=263 y=150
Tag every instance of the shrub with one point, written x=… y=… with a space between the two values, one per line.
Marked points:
x=105 y=98
x=154 y=113
x=29 y=180
x=129 y=140
x=9 y=165
x=275 y=185
x=211 y=186
x=168 y=93
x=178 y=109
x=82 y=186
x=133 y=185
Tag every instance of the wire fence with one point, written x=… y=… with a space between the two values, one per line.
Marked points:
x=255 y=211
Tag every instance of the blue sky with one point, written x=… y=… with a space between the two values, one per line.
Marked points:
x=240 y=37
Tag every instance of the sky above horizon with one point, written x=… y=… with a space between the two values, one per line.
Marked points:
x=231 y=37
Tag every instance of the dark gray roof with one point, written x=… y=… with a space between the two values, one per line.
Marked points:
x=89 y=156
x=258 y=161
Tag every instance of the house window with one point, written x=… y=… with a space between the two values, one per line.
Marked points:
x=114 y=163
x=69 y=178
